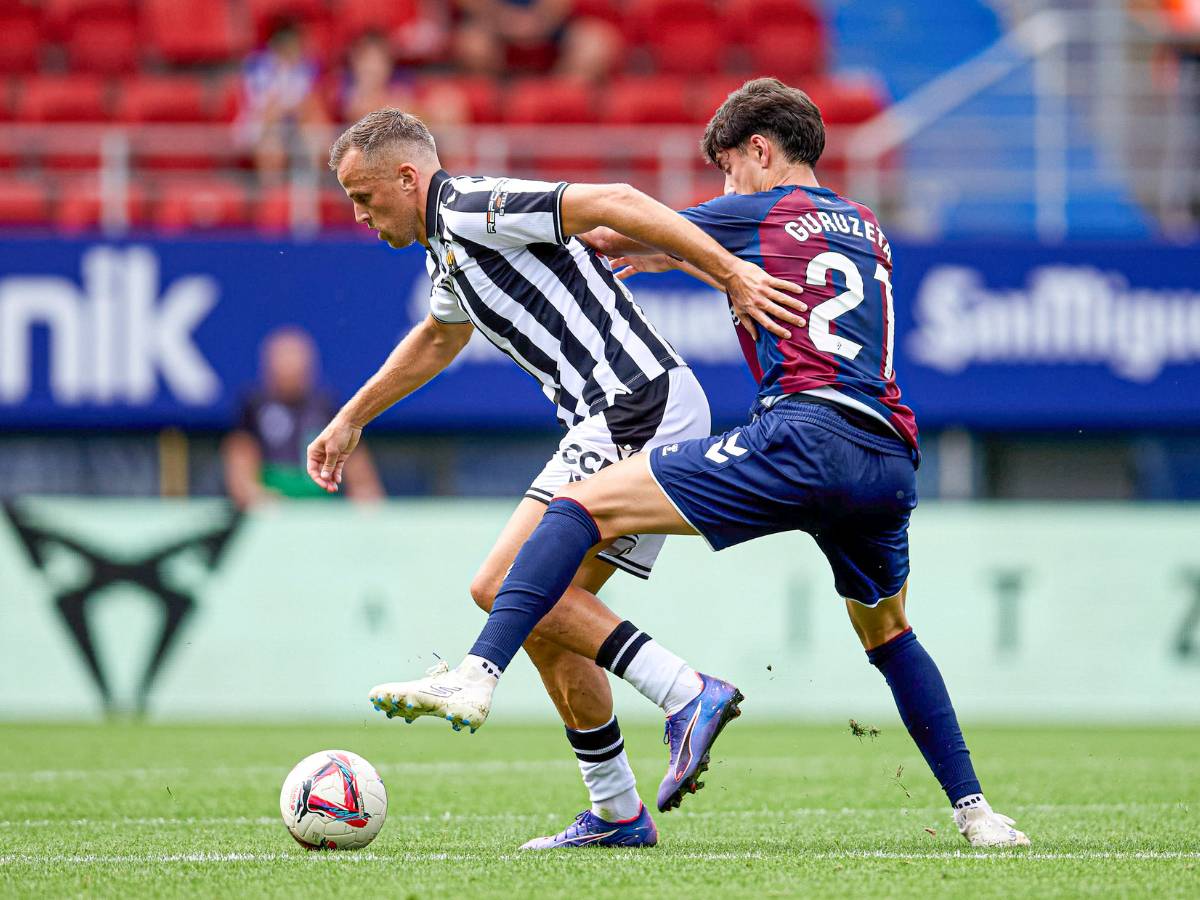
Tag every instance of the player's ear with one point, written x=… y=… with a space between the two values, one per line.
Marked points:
x=760 y=151
x=406 y=174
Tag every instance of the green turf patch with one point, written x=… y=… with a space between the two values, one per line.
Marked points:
x=789 y=810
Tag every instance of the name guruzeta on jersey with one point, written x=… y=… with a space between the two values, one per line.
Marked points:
x=813 y=223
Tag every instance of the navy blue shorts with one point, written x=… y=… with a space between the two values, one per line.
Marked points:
x=802 y=467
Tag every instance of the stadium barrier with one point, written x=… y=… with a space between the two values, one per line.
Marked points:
x=189 y=610
x=159 y=333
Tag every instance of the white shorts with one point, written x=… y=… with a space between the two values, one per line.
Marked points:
x=669 y=409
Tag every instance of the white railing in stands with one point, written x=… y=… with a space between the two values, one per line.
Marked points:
x=1081 y=101
x=1076 y=103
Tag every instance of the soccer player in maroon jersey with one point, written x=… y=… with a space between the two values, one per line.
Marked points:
x=830 y=450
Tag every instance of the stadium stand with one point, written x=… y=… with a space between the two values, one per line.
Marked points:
x=141 y=68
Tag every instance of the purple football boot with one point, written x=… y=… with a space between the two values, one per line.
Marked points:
x=690 y=734
x=589 y=830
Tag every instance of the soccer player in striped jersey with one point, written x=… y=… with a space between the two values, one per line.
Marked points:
x=830 y=450
x=504 y=261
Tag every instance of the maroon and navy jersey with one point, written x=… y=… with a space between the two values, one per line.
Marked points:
x=836 y=249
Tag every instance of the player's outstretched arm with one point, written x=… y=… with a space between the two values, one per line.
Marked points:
x=755 y=295
x=424 y=352
x=613 y=243
x=628 y=266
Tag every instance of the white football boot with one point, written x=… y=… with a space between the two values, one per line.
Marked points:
x=984 y=827
x=463 y=698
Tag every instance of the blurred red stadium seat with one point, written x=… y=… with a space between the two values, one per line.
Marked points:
x=21 y=48
x=106 y=45
x=167 y=99
x=272 y=211
x=187 y=204
x=228 y=97
x=480 y=95
x=608 y=10
x=321 y=43
x=712 y=92
x=693 y=48
x=646 y=100
x=743 y=19
x=355 y=17
x=63 y=98
x=79 y=205
x=266 y=13
x=66 y=98
x=163 y=98
x=22 y=202
x=788 y=52
x=543 y=101
x=58 y=16
x=652 y=20
x=192 y=33
x=846 y=101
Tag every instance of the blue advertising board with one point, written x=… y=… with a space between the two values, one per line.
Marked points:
x=147 y=333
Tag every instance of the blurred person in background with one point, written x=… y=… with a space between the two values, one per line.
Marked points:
x=373 y=81
x=279 y=99
x=498 y=36
x=264 y=456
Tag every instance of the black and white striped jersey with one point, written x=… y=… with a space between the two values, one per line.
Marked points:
x=498 y=258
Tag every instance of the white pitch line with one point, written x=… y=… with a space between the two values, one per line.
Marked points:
x=358 y=858
x=398 y=770
x=449 y=817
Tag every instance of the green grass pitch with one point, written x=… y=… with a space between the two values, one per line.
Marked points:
x=789 y=810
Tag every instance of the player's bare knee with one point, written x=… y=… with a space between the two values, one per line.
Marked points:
x=878 y=624
x=483 y=591
x=594 y=504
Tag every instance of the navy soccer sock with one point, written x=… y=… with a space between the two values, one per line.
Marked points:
x=540 y=575
x=927 y=713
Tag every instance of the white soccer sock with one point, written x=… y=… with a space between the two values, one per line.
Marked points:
x=607 y=775
x=971 y=800
x=663 y=677
x=655 y=671
x=476 y=668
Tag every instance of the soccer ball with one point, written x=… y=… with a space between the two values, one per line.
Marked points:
x=333 y=800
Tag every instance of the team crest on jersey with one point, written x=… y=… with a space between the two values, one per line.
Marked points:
x=348 y=807
x=496 y=206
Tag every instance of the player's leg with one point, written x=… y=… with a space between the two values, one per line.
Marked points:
x=625 y=498
x=577 y=686
x=866 y=543
x=925 y=708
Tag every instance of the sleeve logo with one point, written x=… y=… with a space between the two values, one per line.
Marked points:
x=496 y=206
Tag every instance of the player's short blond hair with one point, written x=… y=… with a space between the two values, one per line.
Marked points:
x=382 y=129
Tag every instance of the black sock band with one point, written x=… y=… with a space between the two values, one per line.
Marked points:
x=597 y=744
x=620 y=647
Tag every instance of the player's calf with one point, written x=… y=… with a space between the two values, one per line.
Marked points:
x=925 y=708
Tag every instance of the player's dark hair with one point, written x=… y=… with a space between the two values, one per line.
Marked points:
x=382 y=128
x=768 y=107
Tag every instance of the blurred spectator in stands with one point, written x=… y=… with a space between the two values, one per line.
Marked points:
x=265 y=455
x=279 y=99
x=374 y=81
x=498 y=36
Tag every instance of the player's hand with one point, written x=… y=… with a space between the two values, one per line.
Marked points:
x=627 y=266
x=328 y=453
x=758 y=297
